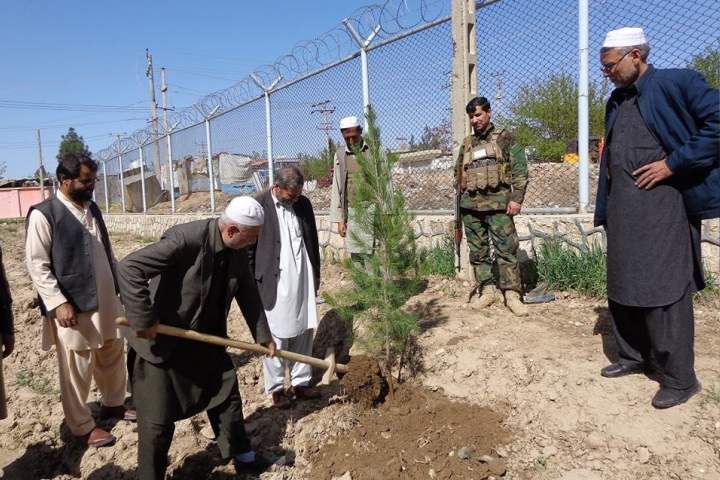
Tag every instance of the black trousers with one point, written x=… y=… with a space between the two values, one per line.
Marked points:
x=660 y=337
x=154 y=438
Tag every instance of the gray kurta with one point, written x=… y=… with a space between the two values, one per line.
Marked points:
x=340 y=210
x=651 y=258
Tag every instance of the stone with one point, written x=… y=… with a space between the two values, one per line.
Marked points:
x=497 y=467
x=643 y=454
x=581 y=474
x=344 y=476
x=432 y=473
x=594 y=441
x=549 y=451
x=465 y=453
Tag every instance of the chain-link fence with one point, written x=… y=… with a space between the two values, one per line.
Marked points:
x=527 y=64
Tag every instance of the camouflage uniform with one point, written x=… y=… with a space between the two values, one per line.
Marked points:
x=494 y=172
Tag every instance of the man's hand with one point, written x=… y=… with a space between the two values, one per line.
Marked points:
x=148 y=333
x=513 y=208
x=65 y=315
x=8 y=343
x=270 y=346
x=342 y=229
x=651 y=174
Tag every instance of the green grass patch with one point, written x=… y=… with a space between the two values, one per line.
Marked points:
x=438 y=260
x=36 y=382
x=566 y=268
x=711 y=291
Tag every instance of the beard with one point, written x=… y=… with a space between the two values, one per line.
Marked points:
x=81 y=196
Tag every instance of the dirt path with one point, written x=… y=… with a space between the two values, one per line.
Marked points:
x=539 y=376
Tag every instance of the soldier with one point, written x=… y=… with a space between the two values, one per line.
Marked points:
x=491 y=175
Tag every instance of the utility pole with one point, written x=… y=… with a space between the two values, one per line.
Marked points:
x=153 y=111
x=171 y=170
x=41 y=170
x=464 y=71
x=325 y=109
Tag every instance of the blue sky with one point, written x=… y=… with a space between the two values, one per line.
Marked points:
x=93 y=52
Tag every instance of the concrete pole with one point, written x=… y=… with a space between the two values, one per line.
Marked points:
x=168 y=131
x=142 y=178
x=170 y=166
x=268 y=123
x=583 y=107
x=122 y=184
x=363 y=43
x=105 y=186
x=40 y=169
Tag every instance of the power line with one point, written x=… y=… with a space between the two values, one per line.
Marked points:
x=67 y=107
x=71 y=124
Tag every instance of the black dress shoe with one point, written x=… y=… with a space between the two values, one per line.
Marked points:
x=256 y=467
x=668 y=397
x=615 y=370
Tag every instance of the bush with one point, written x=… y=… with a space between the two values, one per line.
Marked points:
x=565 y=268
x=438 y=260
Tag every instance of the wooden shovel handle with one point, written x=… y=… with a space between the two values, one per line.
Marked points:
x=250 y=347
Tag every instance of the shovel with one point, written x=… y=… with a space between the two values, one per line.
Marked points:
x=328 y=365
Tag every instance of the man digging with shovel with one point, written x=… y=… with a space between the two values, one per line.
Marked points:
x=188 y=280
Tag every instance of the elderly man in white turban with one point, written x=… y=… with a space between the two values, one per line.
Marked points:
x=659 y=177
x=345 y=169
x=188 y=280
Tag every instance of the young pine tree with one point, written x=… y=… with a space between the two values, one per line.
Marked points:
x=386 y=277
x=72 y=143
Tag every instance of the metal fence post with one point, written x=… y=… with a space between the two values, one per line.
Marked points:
x=208 y=139
x=105 y=184
x=583 y=107
x=142 y=178
x=122 y=184
x=363 y=43
x=170 y=166
x=268 y=123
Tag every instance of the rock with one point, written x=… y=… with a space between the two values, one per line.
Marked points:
x=581 y=474
x=549 y=451
x=497 y=467
x=502 y=452
x=465 y=453
x=485 y=458
x=208 y=433
x=594 y=440
x=643 y=454
x=344 y=476
x=432 y=473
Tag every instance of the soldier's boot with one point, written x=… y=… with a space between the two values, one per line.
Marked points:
x=488 y=296
x=514 y=303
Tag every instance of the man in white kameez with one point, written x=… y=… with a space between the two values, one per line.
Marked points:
x=72 y=266
x=286 y=262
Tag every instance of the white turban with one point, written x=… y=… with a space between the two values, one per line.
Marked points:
x=245 y=211
x=349 y=122
x=624 y=37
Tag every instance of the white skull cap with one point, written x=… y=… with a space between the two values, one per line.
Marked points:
x=349 y=122
x=245 y=211
x=624 y=37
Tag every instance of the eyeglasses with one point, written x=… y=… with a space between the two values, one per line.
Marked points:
x=611 y=66
x=89 y=181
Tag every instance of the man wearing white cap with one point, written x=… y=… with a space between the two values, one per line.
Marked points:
x=188 y=280
x=659 y=177
x=345 y=168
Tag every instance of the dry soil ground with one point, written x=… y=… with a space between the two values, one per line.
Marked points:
x=524 y=391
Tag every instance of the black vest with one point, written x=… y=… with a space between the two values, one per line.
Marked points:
x=71 y=258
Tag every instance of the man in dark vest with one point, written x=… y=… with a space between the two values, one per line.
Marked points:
x=7 y=333
x=72 y=266
x=286 y=263
x=188 y=280
x=659 y=177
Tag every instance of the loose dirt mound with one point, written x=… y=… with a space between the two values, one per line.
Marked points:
x=418 y=434
x=364 y=383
